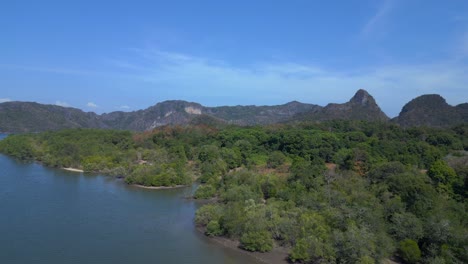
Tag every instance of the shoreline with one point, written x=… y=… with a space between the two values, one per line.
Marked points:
x=73 y=169
x=278 y=255
x=158 y=187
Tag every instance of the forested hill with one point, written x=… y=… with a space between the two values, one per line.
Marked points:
x=329 y=192
x=427 y=110
x=34 y=117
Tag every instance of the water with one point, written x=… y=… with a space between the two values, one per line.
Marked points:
x=54 y=216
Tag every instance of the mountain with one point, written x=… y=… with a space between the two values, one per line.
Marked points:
x=33 y=117
x=174 y=112
x=431 y=110
x=362 y=106
x=259 y=115
x=428 y=110
x=182 y=112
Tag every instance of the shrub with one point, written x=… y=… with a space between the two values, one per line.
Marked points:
x=213 y=228
x=409 y=251
x=204 y=192
x=257 y=241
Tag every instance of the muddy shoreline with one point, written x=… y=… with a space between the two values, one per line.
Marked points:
x=279 y=255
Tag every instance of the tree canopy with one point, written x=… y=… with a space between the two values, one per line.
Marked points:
x=330 y=192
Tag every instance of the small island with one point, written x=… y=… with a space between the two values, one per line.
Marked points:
x=327 y=192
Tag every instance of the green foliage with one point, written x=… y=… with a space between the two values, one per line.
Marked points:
x=208 y=213
x=18 y=146
x=276 y=159
x=381 y=172
x=204 y=192
x=274 y=187
x=213 y=228
x=415 y=191
x=167 y=174
x=307 y=174
x=315 y=242
x=406 y=225
x=232 y=157
x=212 y=169
x=409 y=251
x=257 y=241
x=208 y=153
x=444 y=177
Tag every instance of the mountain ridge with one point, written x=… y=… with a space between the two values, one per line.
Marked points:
x=362 y=106
x=425 y=110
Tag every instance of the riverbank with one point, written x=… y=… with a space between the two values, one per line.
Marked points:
x=279 y=255
x=72 y=169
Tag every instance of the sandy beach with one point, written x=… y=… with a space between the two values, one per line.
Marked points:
x=158 y=187
x=73 y=169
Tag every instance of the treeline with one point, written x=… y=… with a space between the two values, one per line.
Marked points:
x=332 y=192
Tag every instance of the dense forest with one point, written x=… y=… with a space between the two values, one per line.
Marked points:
x=330 y=192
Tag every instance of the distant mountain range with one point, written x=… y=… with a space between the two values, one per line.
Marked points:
x=426 y=110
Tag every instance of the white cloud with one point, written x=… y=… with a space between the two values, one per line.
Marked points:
x=391 y=85
x=92 y=105
x=378 y=18
x=61 y=103
x=3 y=100
x=125 y=107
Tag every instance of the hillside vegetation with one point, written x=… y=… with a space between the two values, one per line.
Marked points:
x=426 y=110
x=333 y=192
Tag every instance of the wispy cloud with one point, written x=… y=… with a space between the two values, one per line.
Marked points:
x=124 y=107
x=378 y=18
x=3 y=100
x=463 y=17
x=190 y=76
x=56 y=70
x=61 y=103
x=462 y=49
x=92 y=105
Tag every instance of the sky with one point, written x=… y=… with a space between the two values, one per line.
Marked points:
x=106 y=56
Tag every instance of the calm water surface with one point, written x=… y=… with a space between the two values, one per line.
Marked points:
x=55 y=216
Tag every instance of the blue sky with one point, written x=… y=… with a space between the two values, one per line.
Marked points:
x=106 y=56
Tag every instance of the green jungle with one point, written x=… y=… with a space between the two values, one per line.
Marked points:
x=330 y=192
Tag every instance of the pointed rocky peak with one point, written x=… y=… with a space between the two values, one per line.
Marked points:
x=361 y=107
x=362 y=97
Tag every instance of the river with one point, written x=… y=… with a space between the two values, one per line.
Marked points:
x=55 y=216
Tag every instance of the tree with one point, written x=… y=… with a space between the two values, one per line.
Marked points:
x=406 y=225
x=214 y=229
x=415 y=190
x=276 y=159
x=443 y=176
x=257 y=241
x=208 y=153
x=409 y=251
x=205 y=191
